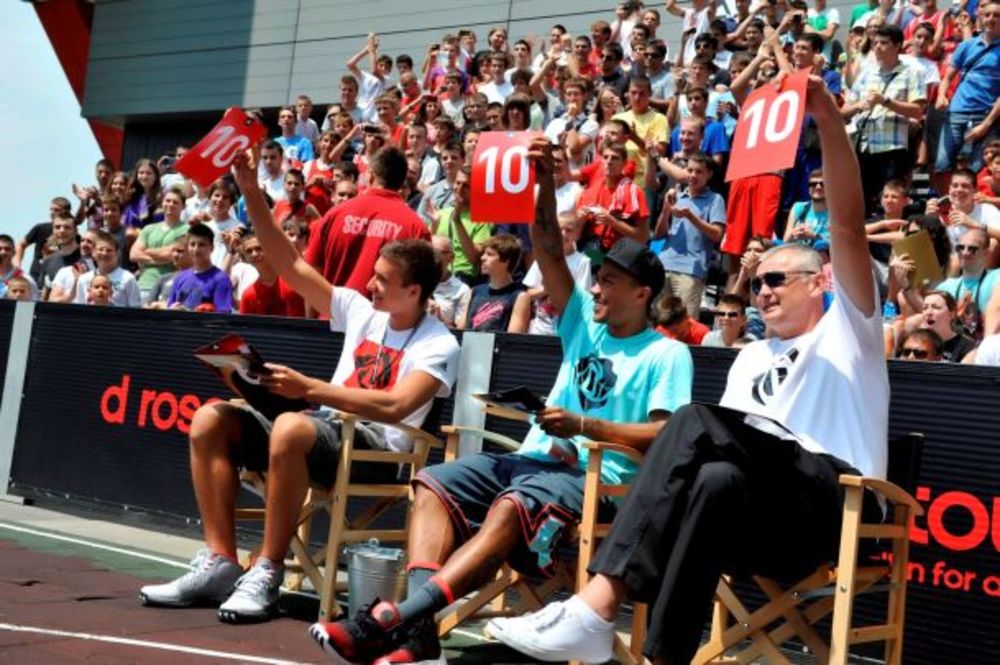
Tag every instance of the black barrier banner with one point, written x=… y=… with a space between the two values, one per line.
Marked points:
x=110 y=393
x=109 y=397
x=6 y=323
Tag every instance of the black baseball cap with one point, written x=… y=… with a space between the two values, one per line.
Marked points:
x=639 y=261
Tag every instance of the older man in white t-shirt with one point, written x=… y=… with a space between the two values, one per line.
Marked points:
x=799 y=409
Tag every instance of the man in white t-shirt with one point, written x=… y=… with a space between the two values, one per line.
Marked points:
x=987 y=354
x=64 y=283
x=451 y=295
x=533 y=304
x=567 y=190
x=799 y=409
x=124 y=287
x=960 y=211
x=396 y=359
x=498 y=88
x=372 y=85
x=575 y=129
x=221 y=198
x=271 y=173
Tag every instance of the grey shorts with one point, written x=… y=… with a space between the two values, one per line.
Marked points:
x=252 y=453
x=548 y=498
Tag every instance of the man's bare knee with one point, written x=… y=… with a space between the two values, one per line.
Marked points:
x=292 y=434
x=425 y=501
x=214 y=426
x=501 y=518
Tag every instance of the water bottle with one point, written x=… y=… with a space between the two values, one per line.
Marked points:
x=889 y=311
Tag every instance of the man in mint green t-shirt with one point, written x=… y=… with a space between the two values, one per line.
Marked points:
x=467 y=238
x=619 y=382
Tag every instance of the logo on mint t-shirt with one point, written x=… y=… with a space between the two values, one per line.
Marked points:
x=765 y=385
x=595 y=377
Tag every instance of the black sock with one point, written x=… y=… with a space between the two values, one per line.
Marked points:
x=428 y=598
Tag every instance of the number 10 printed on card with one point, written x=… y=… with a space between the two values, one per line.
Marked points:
x=767 y=134
x=503 y=180
x=210 y=158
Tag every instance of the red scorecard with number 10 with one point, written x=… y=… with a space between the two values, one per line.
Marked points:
x=767 y=133
x=502 y=189
x=208 y=160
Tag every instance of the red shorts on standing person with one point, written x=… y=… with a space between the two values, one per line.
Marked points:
x=752 y=211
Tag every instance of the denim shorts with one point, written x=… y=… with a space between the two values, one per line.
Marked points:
x=547 y=496
x=322 y=459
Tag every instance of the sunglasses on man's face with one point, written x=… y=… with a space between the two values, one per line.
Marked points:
x=732 y=314
x=909 y=352
x=816 y=183
x=971 y=249
x=774 y=279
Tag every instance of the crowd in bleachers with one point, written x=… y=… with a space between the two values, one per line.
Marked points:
x=643 y=130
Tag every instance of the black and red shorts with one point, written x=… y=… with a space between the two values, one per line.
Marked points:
x=548 y=497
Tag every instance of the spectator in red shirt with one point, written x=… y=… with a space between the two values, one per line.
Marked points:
x=269 y=295
x=319 y=172
x=988 y=180
x=387 y=110
x=673 y=321
x=294 y=206
x=581 y=58
x=345 y=243
x=617 y=208
x=600 y=34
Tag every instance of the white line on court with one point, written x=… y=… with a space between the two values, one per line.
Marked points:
x=98 y=546
x=208 y=653
x=169 y=562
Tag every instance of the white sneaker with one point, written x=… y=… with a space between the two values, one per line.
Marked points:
x=211 y=580
x=255 y=597
x=558 y=632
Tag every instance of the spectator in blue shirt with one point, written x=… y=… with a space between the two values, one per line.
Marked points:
x=297 y=148
x=972 y=113
x=693 y=223
x=714 y=141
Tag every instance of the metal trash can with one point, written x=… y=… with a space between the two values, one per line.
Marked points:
x=374 y=571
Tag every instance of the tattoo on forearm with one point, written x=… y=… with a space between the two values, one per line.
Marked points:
x=550 y=239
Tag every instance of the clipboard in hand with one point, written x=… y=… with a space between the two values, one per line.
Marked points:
x=921 y=251
x=520 y=399
x=240 y=367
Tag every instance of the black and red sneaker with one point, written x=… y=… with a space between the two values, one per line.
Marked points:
x=361 y=639
x=418 y=645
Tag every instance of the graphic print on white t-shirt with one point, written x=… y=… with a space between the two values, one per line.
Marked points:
x=766 y=384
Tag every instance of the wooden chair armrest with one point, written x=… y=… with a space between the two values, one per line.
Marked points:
x=492 y=437
x=605 y=446
x=892 y=492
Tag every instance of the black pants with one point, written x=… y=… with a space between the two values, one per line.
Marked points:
x=878 y=169
x=715 y=496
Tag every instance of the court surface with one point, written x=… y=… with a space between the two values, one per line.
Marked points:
x=68 y=594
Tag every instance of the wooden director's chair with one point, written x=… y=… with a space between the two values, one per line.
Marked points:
x=790 y=612
x=512 y=593
x=320 y=567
